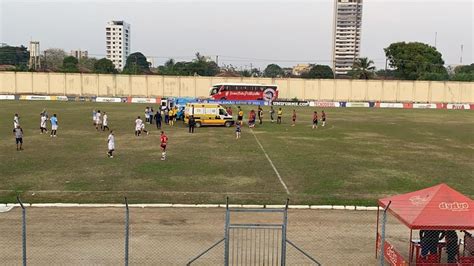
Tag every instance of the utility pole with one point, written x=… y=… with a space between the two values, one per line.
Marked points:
x=436 y=38
x=462 y=49
x=217 y=60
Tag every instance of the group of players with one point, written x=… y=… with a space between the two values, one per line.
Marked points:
x=101 y=123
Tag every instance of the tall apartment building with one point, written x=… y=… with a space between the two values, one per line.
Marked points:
x=117 y=34
x=79 y=54
x=346 y=34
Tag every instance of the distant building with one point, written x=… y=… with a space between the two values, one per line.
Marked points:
x=300 y=69
x=346 y=34
x=79 y=54
x=34 y=62
x=118 y=36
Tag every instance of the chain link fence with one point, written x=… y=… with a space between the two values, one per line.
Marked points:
x=176 y=236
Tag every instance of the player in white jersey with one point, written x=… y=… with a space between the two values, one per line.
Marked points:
x=105 y=122
x=16 y=121
x=111 y=144
x=43 y=119
x=98 y=120
x=138 y=126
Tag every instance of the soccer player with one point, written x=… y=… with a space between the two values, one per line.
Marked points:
x=280 y=113
x=43 y=119
x=260 y=114
x=240 y=116
x=105 y=122
x=142 y=128
x=98 y=120
x=138 y=126
x=164 y=141
x=18 y=133
x=94 y=116
x=294 y=118
x=54 y=125
x=147 y=115
x=323 y=117
x=111 y=144
x=238 y=131
x=315 y=120
x=272 y=112
x=171 y=117
x=16 y=121
x=158 y=119
x=192 y=123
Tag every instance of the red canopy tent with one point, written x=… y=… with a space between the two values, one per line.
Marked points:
x=435 y=208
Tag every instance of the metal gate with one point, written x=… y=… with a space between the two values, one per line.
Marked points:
x=255 y=243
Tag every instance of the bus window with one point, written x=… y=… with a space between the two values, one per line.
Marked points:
x=215 y=90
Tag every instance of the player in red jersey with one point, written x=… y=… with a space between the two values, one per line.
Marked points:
x=164 y=141
x=315 y=120
x=294 y=118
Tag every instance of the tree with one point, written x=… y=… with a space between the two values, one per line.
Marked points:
x=273 y=71
x=463 y=73
x=201 y=65
x=104 y=66
x=363 y=68
x=15 y=56
x=136 y=64
x=318 y=72
x=52 y=59
x=70 y=64
x=86 y=64
x=414 y=60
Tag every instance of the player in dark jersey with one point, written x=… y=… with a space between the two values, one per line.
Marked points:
x=294 y=118
x=315 y=120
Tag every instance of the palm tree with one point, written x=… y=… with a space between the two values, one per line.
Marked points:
x=363 y=68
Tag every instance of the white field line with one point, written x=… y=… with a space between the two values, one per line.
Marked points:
x=271 y=163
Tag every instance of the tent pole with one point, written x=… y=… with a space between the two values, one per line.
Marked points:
x=377 y=232
x=410 y=254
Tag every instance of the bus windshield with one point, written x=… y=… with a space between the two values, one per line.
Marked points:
x=214 y=90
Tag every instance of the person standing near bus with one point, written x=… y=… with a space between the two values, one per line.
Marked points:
x=294 y=118
x=158 y=119
x=240 y=116
x=272 y=112
x=260 y=114
x=280 y=114
x=192 y=123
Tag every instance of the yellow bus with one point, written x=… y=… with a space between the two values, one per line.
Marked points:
x=208 y=114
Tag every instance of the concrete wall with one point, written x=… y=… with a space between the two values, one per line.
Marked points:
x=156 y=86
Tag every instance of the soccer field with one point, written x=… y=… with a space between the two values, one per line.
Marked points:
x=362 y=154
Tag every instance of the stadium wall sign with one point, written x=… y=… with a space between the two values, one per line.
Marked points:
x=143 y=100
x=108 y=100
x=357 y=104
x=35 y=97
x=290 y=103
x=458 y=106
x=324 y=104
x=390 y=105
x=425 y=106
x=7 y=97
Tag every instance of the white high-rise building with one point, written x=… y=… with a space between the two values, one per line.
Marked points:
x=346 y=34
x=117 y=35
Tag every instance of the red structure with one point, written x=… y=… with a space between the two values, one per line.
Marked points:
x=435 y=208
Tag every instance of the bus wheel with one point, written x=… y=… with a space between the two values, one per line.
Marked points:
x=228 y=124
x=198 y=124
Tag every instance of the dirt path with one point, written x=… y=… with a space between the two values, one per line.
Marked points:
x=172 y=236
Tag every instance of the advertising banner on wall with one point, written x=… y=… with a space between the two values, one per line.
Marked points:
x=108 y=100
x=290 y=103
x=458 y=106
x=324 y=104
x=357 y=104
x=35 y=97
x=389 y=105
x=59 y=98
x=143 y=100
x=424 y=106
x=7 y=97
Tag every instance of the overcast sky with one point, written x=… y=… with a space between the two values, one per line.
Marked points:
x=260 y=32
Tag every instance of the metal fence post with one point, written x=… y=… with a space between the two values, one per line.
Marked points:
x=127 y=230
x=23 y=231
x=382 y=238
x=226 y=233
x=283 y=234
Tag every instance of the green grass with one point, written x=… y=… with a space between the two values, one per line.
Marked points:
x=361 y=155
